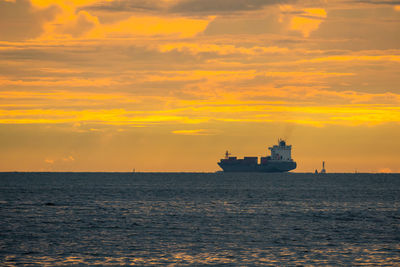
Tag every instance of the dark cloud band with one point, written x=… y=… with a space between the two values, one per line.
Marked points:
x=126 y=6
x=221 y=6
x=185 y=7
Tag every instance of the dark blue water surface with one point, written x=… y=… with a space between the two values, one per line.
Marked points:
x=199 y=218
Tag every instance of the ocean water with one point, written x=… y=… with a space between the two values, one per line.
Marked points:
x=199 y=219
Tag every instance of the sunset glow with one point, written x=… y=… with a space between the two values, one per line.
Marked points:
x=171 y=85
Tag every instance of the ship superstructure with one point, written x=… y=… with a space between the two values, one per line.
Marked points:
x=280 y=160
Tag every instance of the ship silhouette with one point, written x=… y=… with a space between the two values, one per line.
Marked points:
x=280 y=160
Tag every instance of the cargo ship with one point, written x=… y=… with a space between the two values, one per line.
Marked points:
x=280 y=160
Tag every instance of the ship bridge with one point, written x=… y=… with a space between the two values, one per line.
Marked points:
x=281 y=152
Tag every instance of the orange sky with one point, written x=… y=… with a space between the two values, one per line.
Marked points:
x=169 y=85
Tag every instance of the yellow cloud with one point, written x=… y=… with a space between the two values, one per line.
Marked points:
x=70 y=22
x=395 y=58
x=109 y=116
x=151 y=25
x=69 y=158
x=303 y=74
x=304 y=25
x=49 y=161
x=257 y=112
x=308 y=22
x=194 y=132
x=74 y=3
x=72 y=82
x=56 y=97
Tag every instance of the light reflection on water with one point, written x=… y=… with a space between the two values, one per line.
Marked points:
x=344 y=256
x=198 y=219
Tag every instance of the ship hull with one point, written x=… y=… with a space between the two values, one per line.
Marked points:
x=277 y=166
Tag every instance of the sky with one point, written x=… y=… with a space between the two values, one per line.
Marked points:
x=170 y=85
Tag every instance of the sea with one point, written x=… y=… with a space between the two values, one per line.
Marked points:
x=200 y=219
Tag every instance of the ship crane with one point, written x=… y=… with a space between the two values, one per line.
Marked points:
x=227 y=154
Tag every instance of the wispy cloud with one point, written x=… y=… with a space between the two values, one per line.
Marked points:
x=195 y=132
x=49 y=161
